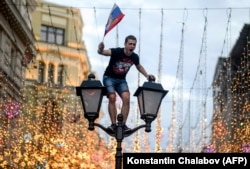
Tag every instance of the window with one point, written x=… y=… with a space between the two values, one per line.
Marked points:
x=60 y=74
x=51 y=74
x=12 y=62
x=41 y=72
x=52 y=35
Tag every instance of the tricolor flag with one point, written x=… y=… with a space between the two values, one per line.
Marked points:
x=114 y=18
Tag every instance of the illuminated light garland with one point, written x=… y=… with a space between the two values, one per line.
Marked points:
x=246 y=148
x=1 y=141
x=209 y=149
x=236 y=134
x=73 y=118
x=27 y=138
x=11 y=109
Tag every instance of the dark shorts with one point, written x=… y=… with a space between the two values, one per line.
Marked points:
x=115 y=85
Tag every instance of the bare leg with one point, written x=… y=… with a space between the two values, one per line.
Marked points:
x=125 y=105
x=112 y=107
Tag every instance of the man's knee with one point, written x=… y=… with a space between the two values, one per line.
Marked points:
x=112 y=97
x=125 y=97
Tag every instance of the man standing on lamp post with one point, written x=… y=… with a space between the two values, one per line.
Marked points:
x=114 y=78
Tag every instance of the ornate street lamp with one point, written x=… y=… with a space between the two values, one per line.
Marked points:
x=149 y=97
x=91 y=92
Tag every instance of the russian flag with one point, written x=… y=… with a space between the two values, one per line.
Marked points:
x=114 y=18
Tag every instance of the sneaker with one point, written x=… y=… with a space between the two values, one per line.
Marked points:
x=112 y=127
x=126 y=129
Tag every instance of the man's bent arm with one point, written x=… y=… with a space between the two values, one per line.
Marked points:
x=104 y=52
x=101 y=50
x=141 y=69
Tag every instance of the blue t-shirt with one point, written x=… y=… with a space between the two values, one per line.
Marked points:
x=119 y=63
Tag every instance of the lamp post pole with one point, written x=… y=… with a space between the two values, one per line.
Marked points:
x=149 y=97
x=119 y=138
x=119 y=135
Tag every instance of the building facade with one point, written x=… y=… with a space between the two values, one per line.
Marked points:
x=16 y=47
x=16 y=51
x=62 y=57
x=231 y=118
x=43 y=58
x=60 y=65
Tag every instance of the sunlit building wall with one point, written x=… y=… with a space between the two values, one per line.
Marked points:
x=61 y=64
x=62 y=57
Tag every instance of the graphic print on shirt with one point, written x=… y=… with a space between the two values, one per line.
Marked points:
x=122 y=67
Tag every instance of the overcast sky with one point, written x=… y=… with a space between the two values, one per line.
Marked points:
x=219 y=41
x=191 y=12
x=225 y=19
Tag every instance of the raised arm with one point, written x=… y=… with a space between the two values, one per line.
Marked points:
x=102 y=51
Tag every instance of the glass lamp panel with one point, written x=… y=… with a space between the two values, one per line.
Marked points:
x=152 y=100
x=140 y=102
x=92 y=100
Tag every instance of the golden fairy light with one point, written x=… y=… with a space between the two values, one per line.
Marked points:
x=46 y=135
